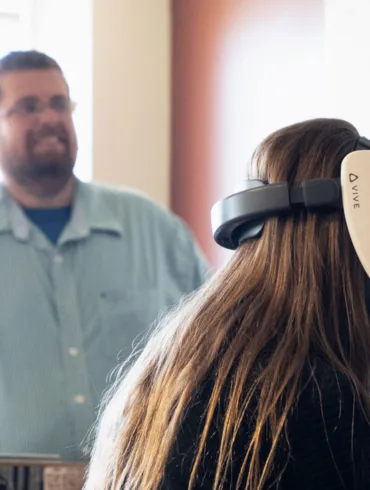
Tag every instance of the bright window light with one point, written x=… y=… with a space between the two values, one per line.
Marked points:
x=62 y=29
x=347 y=61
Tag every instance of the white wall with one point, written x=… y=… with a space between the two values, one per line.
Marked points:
x=132 y=51
x=273 y=74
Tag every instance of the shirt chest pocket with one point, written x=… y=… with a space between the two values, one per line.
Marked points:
x=125 y=320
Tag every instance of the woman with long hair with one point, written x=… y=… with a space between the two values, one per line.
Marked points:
x=261 y=379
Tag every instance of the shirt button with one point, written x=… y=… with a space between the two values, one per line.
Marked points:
x=79 y=399
x=73 y=351
x=58 y=259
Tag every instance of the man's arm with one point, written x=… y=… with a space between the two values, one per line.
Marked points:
x=190 y=257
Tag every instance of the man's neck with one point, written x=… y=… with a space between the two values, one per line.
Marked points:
x=29 y=198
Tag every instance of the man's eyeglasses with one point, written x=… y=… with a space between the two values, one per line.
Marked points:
x=30 y=106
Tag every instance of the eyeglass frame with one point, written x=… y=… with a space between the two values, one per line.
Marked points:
x=39 y=107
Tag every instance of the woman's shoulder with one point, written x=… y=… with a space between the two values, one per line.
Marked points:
x=328 y=432
x=323 y=385
x=328 y=405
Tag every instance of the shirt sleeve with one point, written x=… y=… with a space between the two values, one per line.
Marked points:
x=186 y=261
x=195 y=261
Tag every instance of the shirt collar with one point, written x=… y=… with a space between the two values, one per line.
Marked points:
x=91 y=212
x=12 y=217
x=99 y=215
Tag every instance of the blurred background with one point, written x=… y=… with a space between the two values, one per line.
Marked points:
x=173 y=96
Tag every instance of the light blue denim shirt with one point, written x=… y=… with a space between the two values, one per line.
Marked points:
x=68 y=311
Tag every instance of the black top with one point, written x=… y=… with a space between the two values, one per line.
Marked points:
x=330 y=441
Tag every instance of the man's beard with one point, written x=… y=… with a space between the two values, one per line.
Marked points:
x=43 y=174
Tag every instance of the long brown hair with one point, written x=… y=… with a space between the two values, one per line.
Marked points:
x=299 y=288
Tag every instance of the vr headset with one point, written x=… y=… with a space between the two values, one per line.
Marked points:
x=242 y=215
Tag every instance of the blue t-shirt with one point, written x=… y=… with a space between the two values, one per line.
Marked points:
x=50 y=221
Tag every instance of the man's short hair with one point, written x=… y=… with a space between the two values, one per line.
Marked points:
x=27 y=60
